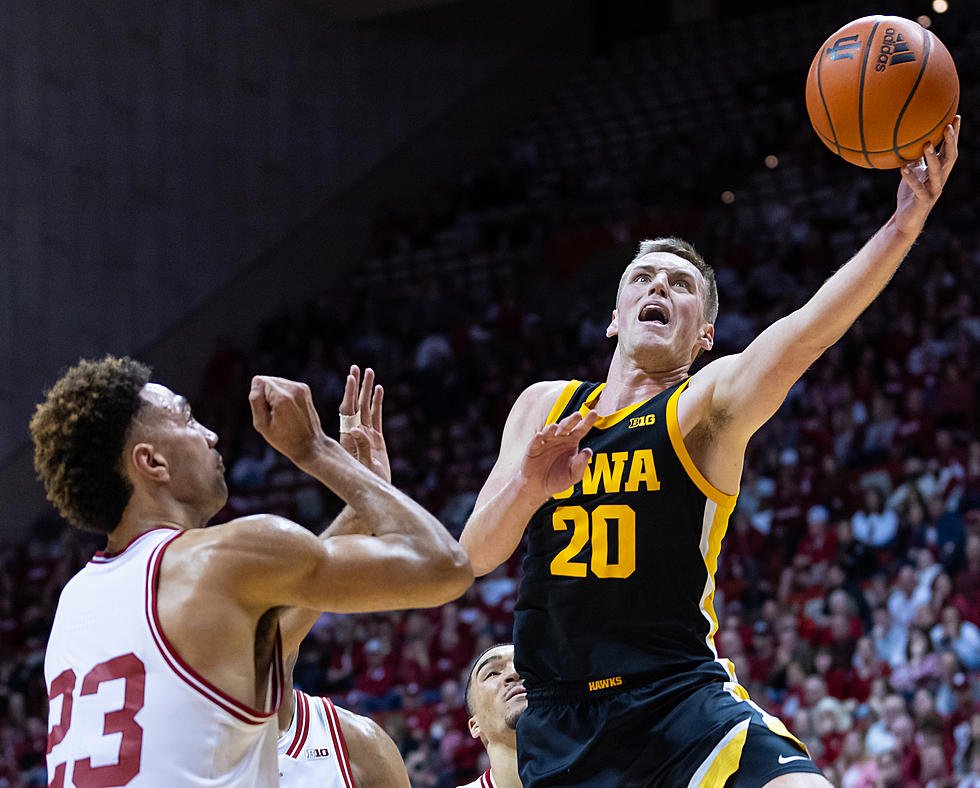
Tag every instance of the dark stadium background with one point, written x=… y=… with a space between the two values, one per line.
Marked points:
x=448 y=191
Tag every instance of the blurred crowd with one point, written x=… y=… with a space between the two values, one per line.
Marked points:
x=848 y=592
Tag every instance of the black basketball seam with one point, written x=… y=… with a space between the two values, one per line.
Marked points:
x=926 y=35
x=824 y=101
x=904 y=145
x=864 y=68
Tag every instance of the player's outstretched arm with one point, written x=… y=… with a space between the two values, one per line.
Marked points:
x=534 y=463
x=749 y=387
x=411 y=562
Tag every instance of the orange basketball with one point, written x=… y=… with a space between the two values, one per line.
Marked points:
x=879 y=89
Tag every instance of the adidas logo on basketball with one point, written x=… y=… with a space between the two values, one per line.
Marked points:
x=895 y=46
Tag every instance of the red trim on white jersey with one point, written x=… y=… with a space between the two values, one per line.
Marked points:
x=485 y=780
x=339 y=745
x=302 y=712
x=102 y=557
x=220 y=698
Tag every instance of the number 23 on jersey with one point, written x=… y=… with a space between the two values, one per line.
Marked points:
x=130 y=670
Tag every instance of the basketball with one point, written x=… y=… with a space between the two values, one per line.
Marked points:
x=879 y=89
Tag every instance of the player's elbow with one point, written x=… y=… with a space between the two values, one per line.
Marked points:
x=482 y=562
x=451 y=575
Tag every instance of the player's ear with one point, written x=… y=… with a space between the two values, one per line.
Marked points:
x=149 y=463
x=613 y=328
x=706 y=337
x=474 y=727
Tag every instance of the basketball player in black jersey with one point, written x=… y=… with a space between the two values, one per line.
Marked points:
x=625 y=489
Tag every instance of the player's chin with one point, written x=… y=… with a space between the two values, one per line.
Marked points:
x=513 y=716
x=518 y=707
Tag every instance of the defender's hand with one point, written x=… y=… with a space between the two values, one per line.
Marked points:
x=923 y=181
x=283 y=414
x=361 y=410
x=553 y=462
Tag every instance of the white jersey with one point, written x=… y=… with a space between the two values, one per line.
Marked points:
x=312 y=751
x=125 y=709
x=485 y=780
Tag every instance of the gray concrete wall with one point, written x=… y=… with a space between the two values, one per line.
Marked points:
x=154 y=154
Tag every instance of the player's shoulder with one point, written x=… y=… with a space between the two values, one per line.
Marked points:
x=256 y=541
x=536 y=401
x=374 y=756
x=242 y=531
x=545 y=390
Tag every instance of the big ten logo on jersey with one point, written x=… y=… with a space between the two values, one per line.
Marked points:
x=619 y=471
x=642 y=421
x=317 y=752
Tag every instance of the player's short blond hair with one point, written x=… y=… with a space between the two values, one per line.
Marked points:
x=685 y=251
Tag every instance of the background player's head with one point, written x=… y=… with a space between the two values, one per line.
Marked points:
x=495 y=695
x=666 y=303
x=104 y=433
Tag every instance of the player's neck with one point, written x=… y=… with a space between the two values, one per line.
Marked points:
x=628 y=383
x=143 y=514
x=503 y=764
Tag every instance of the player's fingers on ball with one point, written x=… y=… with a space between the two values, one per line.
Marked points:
x=909 y=176
x=934 y=168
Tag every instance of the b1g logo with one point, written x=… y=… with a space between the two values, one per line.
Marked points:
x=893 y=44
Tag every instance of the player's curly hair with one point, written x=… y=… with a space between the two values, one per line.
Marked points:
x=79 y=433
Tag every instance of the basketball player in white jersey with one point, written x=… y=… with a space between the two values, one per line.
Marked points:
x=163 y=666
x=495 y=699
x=325 y=746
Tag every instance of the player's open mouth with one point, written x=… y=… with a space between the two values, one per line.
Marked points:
x=653 y=313
x=517 y=691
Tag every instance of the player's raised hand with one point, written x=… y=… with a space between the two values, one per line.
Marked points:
x=923 y=181
x=360 y=422
x=553 y=462
x=283 y=414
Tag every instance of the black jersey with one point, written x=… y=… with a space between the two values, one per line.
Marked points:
x=619 y=570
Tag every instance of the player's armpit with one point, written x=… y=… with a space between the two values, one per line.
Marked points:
x=741 y=392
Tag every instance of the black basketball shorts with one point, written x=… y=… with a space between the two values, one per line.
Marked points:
x=661 y=735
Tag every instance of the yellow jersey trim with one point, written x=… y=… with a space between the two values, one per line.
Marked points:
x=724 y=500
x=604 y=422
x=724 y=760
x=716 y=533
x=566 y=394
